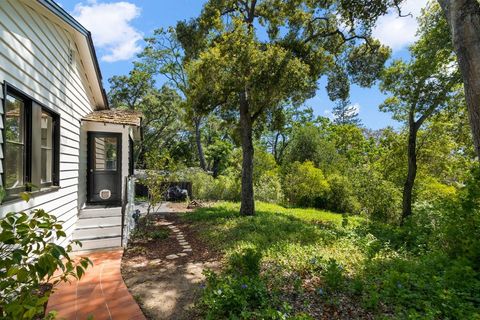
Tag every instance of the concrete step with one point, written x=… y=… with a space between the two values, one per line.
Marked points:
x=100 y=212
x=102 y=222
x=97 y=232
x=101 y=243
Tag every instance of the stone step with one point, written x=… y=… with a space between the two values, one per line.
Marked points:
x=101 y=243
x=94 y=212
x=97 y=232
x=102 y=222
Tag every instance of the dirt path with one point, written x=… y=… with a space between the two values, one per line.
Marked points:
x=165 y=275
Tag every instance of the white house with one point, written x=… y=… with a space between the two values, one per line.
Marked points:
x=59 y=140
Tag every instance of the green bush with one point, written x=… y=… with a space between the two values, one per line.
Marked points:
x=268 y=188
x=205 y=187
x=159 y=234
x=201 y=182
x=333 y=275
x=460 y=227
x=310 y=143
x=428 y=287
x=341 y=197
x=226 y=187
x=241 y=293
x=233 y=297
x=431 y=190
x=30 y=258
x=245 y=263
x=305 y=186
x=263 y=164
x=380 y=199
x=438 y=223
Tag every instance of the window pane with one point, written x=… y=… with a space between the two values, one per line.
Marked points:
x=14 y=136
x=47 y=147
x=105 y=153
x=14 y=166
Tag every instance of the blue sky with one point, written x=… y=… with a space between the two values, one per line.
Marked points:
x=118 y=28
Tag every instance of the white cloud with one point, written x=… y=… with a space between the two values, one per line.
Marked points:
x=354 y=108
x=328 y=113
x=351 y=110
x=399 y=32
x=111 y=29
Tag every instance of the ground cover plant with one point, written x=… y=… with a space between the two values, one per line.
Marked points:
x=323 y=265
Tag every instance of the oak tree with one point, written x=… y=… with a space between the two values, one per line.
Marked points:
x=262 y=55
x=420 y=88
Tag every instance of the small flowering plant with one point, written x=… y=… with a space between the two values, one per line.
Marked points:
x=228 y=295
x=240 y=292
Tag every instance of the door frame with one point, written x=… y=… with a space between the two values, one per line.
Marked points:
x=90 y=183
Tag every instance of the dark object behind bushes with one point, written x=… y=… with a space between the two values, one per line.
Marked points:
x=172 y=188
x=175 y=193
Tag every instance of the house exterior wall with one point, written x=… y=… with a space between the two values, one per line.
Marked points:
x=38 y=57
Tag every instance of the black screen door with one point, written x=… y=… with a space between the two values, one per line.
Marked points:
x=104 y=167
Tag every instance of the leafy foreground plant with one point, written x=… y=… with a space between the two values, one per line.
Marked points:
x=240 y=292
x=31 y=265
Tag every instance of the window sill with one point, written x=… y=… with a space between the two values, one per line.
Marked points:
x=16 y=198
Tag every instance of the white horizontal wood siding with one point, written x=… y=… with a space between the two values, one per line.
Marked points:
x=35 y=57
x=1 y=136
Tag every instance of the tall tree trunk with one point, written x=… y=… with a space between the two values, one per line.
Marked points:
x=412 y=171
x=275 y=146
x=215 y=167
x=198 y=140
x=282 y=149
x=247 y=207
x=463 y=17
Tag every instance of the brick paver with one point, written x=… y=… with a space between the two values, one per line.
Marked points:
x=100 y=294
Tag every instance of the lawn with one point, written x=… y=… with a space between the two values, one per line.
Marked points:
x=291 y=236
x=326 y=266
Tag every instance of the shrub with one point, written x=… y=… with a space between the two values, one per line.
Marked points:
x=241 y=293
x=439 y=222
x=309 y=143
x=341 y=197
x=268 y=188
x=245 y=263
x=233 y=297
x=201 y=182
x=226 y=187
x=155 y=180
x=306 y=186
x=263 y=163
x=431 y=190
x=205 y=187
x=333 y=275
x=432 y=286
x=28 y=259
x=380 y=199
x=460 y=227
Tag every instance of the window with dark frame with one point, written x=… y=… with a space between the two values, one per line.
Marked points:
x=31 y=144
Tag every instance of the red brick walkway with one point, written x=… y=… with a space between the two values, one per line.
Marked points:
x=100 y=294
